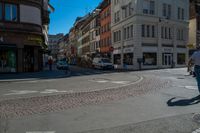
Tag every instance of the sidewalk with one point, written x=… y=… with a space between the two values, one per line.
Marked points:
x=46 y=74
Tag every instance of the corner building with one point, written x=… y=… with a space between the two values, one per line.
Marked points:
x=149 y=34
x=23 y=34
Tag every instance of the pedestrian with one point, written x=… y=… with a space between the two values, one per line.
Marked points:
x=50 y=62
x=195 y=58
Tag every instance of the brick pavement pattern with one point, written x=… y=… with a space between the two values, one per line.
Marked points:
x=44 y=104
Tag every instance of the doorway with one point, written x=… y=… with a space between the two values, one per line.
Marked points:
x=28 y=59
x=167 y=59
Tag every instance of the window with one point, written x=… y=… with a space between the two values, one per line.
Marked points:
x=124 y=33
x=11 y=12
x=162 y=32
x=149 y=7
x=117 y=59
x=149 y=59
x=152 y=7
x=182 y=13
x=130 y=8
x=181 y=59
x=164 y=9
x=128 y=59
x=148 y=31
x=143 y=30
x=153 y=31
x=1 y=11
x=166 y=33
x=131 y=30
x=128 y=31
x=169 y=12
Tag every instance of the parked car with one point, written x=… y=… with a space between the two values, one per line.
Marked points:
x=102 y=63
x=62 y=65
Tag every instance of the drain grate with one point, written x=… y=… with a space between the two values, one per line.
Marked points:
x=196 y=118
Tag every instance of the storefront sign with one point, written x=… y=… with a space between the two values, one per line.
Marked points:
x=168 y=50
x=35 y=39
x=128 y=50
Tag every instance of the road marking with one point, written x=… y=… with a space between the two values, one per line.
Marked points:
x=120 y=82
x=191 y=87
x=41 y=132
x=49 y=91
x=23 y=92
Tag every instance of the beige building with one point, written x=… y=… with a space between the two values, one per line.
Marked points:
x=149 y=34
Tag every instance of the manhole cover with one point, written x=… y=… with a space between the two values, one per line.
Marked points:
x=196 y=118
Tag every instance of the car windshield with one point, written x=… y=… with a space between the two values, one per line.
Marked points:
x=106 y=61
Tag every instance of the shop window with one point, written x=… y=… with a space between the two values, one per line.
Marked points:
x=11 y=12
x=117 y=59
x=181 y=59
x=7 y=61
x=149 y=59
x=128 y=59
x=1 y=11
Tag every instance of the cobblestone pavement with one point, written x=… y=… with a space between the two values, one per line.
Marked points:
x=44 y=104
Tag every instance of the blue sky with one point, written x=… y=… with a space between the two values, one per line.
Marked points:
x=66 y=12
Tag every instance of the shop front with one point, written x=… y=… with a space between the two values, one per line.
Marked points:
x=8 y=59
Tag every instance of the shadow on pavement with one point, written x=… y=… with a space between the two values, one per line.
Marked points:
x=183 y=102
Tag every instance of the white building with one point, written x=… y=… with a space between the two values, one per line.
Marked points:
x=53 y=44
x=153 y=32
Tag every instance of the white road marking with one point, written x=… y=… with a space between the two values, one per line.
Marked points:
x=41 y=132
x=191 y=87
x=120 y=82
x=23 y=92
x=102 y=81
x=52 y=91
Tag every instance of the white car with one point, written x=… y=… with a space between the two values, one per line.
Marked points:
x=62 y=65
x=102 y=63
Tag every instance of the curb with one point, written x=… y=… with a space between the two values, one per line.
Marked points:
x=31 y=79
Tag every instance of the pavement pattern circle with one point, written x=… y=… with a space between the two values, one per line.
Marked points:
x=44 y=104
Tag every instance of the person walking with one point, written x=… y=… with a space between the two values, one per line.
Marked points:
x=50 y=62
x=195 y=59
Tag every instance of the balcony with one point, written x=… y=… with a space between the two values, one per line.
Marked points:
x=45 y=17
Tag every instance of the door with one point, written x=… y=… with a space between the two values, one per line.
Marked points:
x=28 y=59
x=167 y=60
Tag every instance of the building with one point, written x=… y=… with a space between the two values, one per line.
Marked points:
x=95 y=33
x=23 y=25
x=85 y=29
x=53 y=44
x=105 y=22
x=194 y=26
x=62 y=44
x=149 y=33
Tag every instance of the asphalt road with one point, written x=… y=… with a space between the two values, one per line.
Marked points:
x=93 y=101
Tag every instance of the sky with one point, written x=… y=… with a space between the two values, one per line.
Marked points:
x=66 y=12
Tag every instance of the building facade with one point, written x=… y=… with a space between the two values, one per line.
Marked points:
x=149 y=34
x=23 y=25
x=105 y=22
x=194 y=26
x=53 y=44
